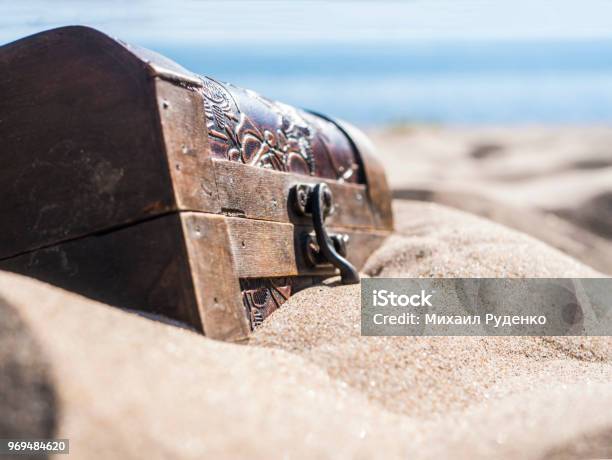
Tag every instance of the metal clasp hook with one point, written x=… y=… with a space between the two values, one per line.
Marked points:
x=317 y=201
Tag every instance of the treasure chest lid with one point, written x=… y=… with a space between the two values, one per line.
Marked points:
x=128 y=134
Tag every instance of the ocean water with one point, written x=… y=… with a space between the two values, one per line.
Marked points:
x=423 y=82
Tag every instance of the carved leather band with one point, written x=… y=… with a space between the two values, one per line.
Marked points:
x=246 y=127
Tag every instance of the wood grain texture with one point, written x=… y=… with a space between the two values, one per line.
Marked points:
x=257 y=193
x=182 y=124
x=216 y=284
x=263 y=249
x=142 y=267
x=81 y=151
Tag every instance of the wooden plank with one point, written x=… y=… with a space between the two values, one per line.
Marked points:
x=215 y=281
x=182 y=124
x=263 y=194
x=267 y=249
x=81 y=150
x=263 y=249
x=141 y=267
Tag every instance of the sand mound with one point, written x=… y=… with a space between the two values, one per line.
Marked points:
x=129 y=387
x=308 y=386
x=430 y=376
x=594 y=213
x=550 y=182
x=561 y=233
x=27 y=398
x=434 y=241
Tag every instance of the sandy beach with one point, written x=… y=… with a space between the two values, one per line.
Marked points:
x=469 y=202
x=550 y=182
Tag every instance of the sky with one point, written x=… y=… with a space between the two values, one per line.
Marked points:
x=190 y=21
x=448 y=61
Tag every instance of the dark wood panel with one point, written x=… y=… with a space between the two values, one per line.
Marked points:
x=80 y=146
x=142 y=267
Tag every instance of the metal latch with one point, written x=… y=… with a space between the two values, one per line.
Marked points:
x=317 y=202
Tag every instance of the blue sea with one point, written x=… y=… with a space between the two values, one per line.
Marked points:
x=422 y=82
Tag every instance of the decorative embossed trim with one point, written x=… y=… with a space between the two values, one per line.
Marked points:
x=269 y=134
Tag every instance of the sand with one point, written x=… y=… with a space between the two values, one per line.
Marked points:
x=550 y=182
x=307 y=385
x=427 y=377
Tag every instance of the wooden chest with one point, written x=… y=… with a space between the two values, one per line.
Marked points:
x=133 y=181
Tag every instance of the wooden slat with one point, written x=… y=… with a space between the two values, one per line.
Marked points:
x=216 y=285
x=263 y=249
x=182 y=123
x=258 y=193
x=142 y=267
x=266 y=249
